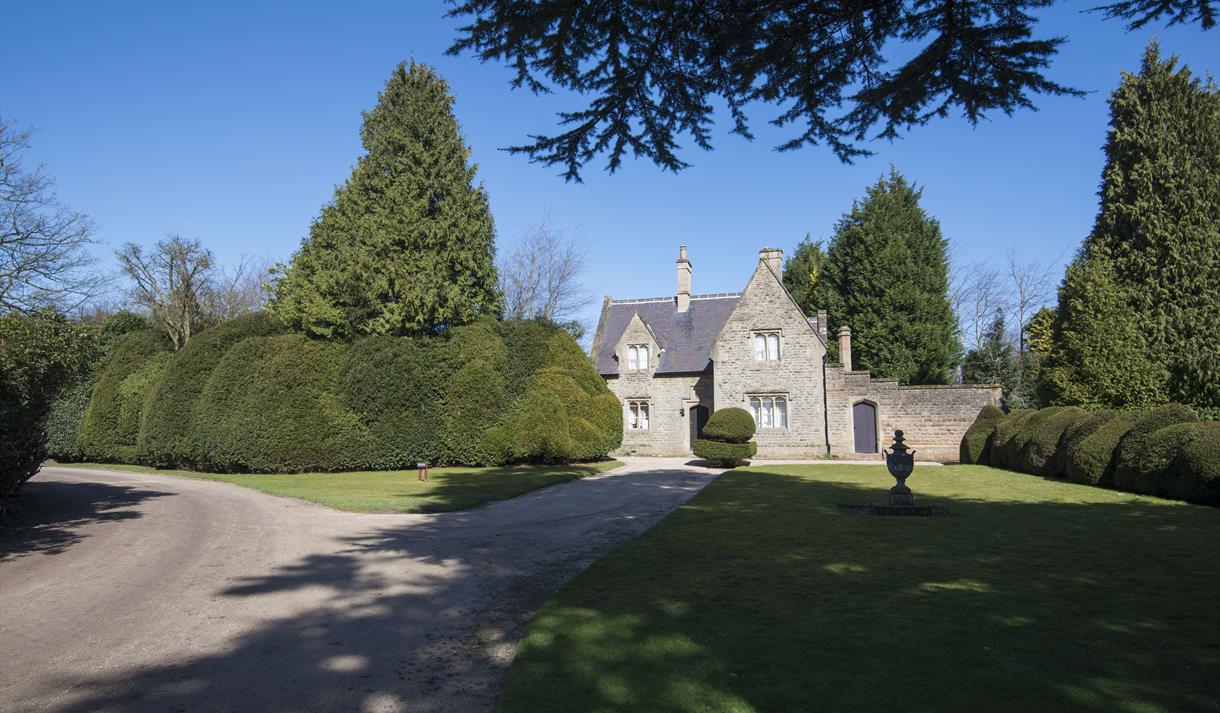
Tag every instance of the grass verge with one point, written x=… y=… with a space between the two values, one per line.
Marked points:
x=394 y=490
x=759 y=596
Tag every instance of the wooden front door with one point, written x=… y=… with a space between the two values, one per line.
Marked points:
x=698 y=419
x=864 y=421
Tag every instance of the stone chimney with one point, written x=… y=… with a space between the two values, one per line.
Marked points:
x=774 y=257
x=845 y=347
x=683 y=297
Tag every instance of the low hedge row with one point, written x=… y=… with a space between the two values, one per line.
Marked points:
x=243 y=396
x=1163 y=451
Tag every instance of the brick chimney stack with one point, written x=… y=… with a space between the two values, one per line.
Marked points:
x=774 y=257
x=845 y=347
x=684 y=270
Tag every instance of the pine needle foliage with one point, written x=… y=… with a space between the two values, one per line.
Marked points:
x=407 y=246
x=887 y=277
x=1136 y=319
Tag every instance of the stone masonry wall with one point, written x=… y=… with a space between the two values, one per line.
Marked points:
x=797 y=375
x=933 y=419
x=669 y=397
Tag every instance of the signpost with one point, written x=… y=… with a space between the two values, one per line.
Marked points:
x=423 y=471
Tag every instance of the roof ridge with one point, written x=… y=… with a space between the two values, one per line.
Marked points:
x=669 y=298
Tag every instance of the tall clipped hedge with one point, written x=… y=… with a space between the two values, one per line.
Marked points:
x=270 y=406
x=1003 y=446
x=110 y=429
x=242 y=396
x=1093 y=461
x=1130 y=472
x=168 y=438
x=1083 y=427
x=1040 y=437
x=1163 y=451
x=974 y=448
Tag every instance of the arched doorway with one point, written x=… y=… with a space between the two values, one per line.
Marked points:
x=864 y=425
x=698 y=419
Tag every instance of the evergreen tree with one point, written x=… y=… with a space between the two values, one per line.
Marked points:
x=1040 y=331
x=993 y=360
x=1158 y=234
x=407 y=244
x=887 y=277
x=1099 y=356
x=802 y=272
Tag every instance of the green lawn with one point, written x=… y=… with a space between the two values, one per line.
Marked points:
x=395 y=490
x=757 y=595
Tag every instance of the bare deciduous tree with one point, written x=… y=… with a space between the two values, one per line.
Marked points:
x=170 y=282
x=1032 y=286
x=977 y=293
x=44 y=256
x=540 y=277
x=237 y=290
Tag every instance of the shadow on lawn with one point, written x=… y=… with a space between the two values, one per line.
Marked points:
x=760 y=596
x=421 y=616
x=459 y=490
x=49 y=515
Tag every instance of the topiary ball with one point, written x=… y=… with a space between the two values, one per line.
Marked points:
x=730 y=425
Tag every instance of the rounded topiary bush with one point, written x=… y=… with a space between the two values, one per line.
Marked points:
x=1081 y=428
x=727 y=437
x=1157 y=461
x=974 y=444
x=110 y=429
x=168 y=436
x=729 y=425
x=527 y=340
x=1040 y=437
x=1197 y=467
x=1093 y=461
x=607 y=418
x=270 y=406
x=1002 y=446
x=726 y=454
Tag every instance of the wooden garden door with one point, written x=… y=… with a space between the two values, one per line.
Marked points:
x=864 y=420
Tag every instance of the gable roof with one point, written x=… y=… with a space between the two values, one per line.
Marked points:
x=686 y=337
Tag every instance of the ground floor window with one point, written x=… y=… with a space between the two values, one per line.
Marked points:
x=637 y=415
x=769 y=411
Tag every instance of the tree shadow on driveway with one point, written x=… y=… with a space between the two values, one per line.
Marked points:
x=421 y=615
x=51 y=516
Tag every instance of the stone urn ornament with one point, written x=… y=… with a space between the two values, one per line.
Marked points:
x=900 y=461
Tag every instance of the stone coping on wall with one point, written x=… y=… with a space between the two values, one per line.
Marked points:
x=874 y=380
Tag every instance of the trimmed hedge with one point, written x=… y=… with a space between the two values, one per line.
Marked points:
x=110 y=429
x=1164 y=451
x=1040 y=437
x=1083 y=427
x=730 y=425
x=1093 y=461
x=168 y=439
x=65 y=418
x=1002 y=446
x=727 y=455
x=1130 y=472
x=974 y=448
x=269 y=406
x=1198 y=466
x=242 y=397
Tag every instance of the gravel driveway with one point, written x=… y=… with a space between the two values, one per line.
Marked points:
x=138 y=592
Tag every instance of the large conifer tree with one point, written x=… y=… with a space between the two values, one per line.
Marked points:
x=887 y=277
x=1157 y=237
x=407 y=245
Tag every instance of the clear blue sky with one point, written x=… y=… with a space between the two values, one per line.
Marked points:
x=233 y=122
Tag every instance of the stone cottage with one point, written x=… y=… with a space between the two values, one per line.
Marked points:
x=672 y=361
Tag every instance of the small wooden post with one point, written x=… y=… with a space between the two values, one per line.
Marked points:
x=423 y=471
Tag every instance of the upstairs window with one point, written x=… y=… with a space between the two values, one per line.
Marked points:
x=637 y=415
x=637 y=357
x=766 y=346
x=769 y=411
